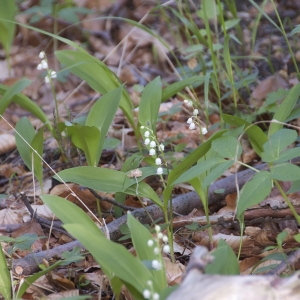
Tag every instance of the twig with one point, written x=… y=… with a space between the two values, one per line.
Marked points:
x=292 y=259
x=57 y=225
x=111 y=201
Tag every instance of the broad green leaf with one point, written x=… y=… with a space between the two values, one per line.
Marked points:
x=277 y=143
x=191 y=159
x=111 y=257
x=288 y=155
x=8 y=10
x=256 y=135
x=225 y=262
x=86 y=138
x=140 y=236
x=198 y=169
x=97 y=75
x=285 y=172
x=101 y=179
x=13 y=90
x=149 y=105
x=26 y=130
x=231 y=23
x=102 y=114
x=254 y=191
x=110 y=181
x=216 y=172
x=227 y=147
x=25 y=103
x=5 y=282
x=295 y=187
x=37 y=145
x=186 y=164
x=285 y=108
x=144 y=190
x=176 y=87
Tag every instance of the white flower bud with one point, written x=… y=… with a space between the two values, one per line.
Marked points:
x=147 y=141
x=204 y=130
x=157 y=228
x=150 y=243
x=152 y=152
x=146 y=294
x=156 y=264
x=166 y=249
x=158 y=161
x=195 y=112
x=152 y=144
x=42 y=55
x=192 y=126
x=155 y=296
x=147 y=133
x=161 y=147
x=189 y=121
x=165 y=239
x=159 y=171
x=156 y=250
x=160 y=235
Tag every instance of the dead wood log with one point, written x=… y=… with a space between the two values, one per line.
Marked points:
x=197 y=285
x=182 y=204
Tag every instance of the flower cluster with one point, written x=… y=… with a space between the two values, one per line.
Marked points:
x=156 y=264
x=43 y=65
x=193 y=120
x=154 y=148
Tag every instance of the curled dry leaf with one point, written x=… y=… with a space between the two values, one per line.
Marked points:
x=268 y=85
x=7 y=143
x=174 y=271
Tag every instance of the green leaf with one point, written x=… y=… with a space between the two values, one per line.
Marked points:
x=176 y=87
x=113 y=258
x=277 y=143
x=216 y=172
x=225 y=262
x=256 y=135
x=296 y=30
x=231 y=23
x=227 y=147
x=110 y=181
x=8 y=10
x=97 y=75
x=191 y=159
x=25 y=103
x=5 y=282
x=295 y=187
x=198 y=169
x=140 y=236
x=37 y=145
x=87 y=138
x=285 y=108
x=149 y=105
x=285 y=172
x=13 y=90
x=254 y=191
x=101 y=116
x=26 y=130
x=101 y=179
x=288 y=154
